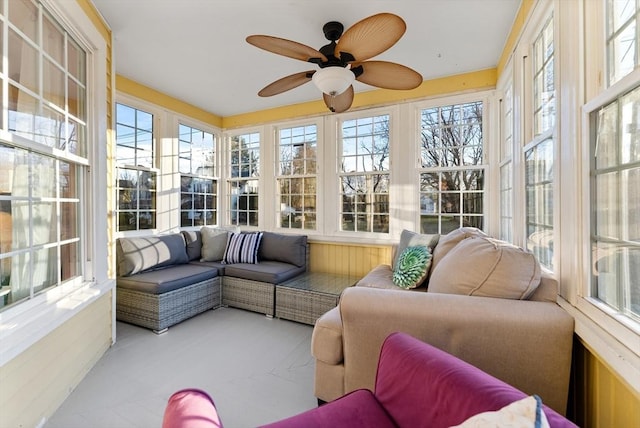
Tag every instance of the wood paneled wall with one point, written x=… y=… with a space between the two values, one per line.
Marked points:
x=348 y=259
x=600 y=398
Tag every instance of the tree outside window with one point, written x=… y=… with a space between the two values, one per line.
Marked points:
x=452 y=172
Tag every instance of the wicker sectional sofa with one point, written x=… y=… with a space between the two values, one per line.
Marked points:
x=165 y=279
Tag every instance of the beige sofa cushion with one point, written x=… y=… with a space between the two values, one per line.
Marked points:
x=482 y=266
x=381 y=276
x=450 y=240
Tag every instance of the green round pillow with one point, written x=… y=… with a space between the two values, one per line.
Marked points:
x=412 y=267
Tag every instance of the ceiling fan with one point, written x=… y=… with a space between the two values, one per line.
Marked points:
x=344 y=60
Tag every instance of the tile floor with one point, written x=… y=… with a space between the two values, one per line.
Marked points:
x=257 y=370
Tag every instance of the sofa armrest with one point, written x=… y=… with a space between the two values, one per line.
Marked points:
x=326 y=340
x=524 y=343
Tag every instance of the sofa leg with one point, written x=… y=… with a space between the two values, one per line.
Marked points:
x=164 y=330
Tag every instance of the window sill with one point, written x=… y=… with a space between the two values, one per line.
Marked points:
x=24 y=325
x=615 y=345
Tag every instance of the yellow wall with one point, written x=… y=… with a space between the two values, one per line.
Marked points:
x=34 y=384
x=347 y=259
x=601 y=399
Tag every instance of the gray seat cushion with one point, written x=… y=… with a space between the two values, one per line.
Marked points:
x=267 y=271
x=217 y=265
x=168 y=279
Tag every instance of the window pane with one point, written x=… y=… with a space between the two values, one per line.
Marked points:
x=77 y=100
x=70 y=261
x=297 y=194
x=606 y=151
x=539 y=164
x=622 y=38
x=53 y=40
x=136 y=185
x=23 y=62
x=76 y=61
x=451 y=147
x=544 y=85
x=24 y=15
x=243 y=193
x=630 y=138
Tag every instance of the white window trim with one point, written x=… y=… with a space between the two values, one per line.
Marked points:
x=490 y=152
x=611 y=335
x=273 y=130
x=162 y=206
x=23 y=325
x=333 y=180
x=173 y=138
x=264 y=185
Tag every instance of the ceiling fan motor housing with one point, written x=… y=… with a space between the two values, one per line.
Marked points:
x=333 y=30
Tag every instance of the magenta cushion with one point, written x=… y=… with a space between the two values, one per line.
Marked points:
x=191 y=408
x=356 y=409
x=422 y=386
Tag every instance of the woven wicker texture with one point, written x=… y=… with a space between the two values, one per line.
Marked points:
x=302 y=306
x=160 y=311
x=247 y=294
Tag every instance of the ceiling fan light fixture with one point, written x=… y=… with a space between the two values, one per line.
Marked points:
x=333 y=80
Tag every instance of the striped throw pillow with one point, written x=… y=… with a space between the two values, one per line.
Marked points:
x=242 y=248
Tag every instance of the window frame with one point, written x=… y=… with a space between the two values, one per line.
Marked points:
x=532 y=141
x=457 y=100
x=339 y=121
x=155 y=169
x=506 y=161
x=229 y=180
x=318 y=175
x=34 y=319
x=610 y=320
x=216 y=177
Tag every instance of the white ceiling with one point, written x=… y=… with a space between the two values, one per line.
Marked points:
x=195 y=50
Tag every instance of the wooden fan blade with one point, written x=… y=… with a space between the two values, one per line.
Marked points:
x=285 y=47
x=341 y=102
x=388 y=75
x=286 y=83
x=371 y=36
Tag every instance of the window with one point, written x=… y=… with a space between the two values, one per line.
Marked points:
x=506 y=166
x=364 y=175
x=136 y=180
x=198 y=187
x=615 y=190
x=623 y=18
x=244 y=159
x=539 y=153
x=297 y=177
x=43 y=166
x=452 y=172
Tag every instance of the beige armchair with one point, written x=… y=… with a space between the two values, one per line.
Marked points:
x=526 y=343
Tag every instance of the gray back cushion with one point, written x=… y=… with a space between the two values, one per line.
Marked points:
x=193 y=240
x=139 y=254
x=283 y=248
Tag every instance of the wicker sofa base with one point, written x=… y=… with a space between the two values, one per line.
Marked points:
x=254 y=296
x=160 y=311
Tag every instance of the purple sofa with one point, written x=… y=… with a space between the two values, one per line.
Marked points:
x=417 y=385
